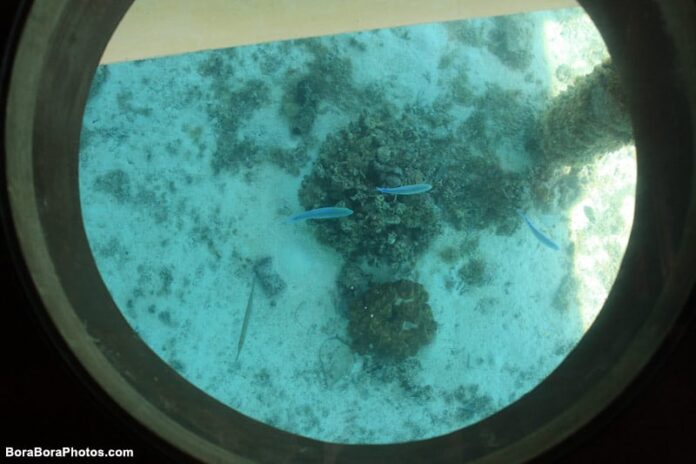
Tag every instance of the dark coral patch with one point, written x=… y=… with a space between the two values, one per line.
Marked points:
x=391 y=320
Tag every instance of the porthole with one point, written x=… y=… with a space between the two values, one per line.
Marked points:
x=283 y=243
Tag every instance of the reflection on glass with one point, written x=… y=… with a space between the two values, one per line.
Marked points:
x=368 y=238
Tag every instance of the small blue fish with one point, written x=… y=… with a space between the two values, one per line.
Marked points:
x=542 y=238
x=405 y=189
x=330 y=212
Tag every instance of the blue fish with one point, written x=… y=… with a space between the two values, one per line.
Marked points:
x=542 y=238
x=405 y=189
x=330 y=212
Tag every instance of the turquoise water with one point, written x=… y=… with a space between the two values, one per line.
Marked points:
x=413 y=316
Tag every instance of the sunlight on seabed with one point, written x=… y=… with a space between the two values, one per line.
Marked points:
x=599 y=250
x=610 y=190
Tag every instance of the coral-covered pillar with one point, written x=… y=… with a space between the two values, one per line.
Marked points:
x=587 y=120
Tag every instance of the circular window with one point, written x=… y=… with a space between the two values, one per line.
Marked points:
x=488 y=210
x=400 y=237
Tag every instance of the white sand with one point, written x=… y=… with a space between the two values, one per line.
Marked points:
x=175 y=249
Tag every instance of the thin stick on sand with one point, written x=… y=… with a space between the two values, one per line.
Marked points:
x=245 y=324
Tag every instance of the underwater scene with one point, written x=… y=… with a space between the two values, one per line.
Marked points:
x=373 y=237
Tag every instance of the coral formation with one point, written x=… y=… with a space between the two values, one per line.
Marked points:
x=473 y=194
x=389 y=147
x=377 y=150
x=391 y=320
x=234 y=100
x=579 y=126
x=301 y=103
x=472 y=188
x=235 y=106
x=510 y=39
x=588 y=120
x=352 y=280
x=328 y=76
x=500 y=116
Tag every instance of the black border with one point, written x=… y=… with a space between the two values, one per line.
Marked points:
x=45 y=401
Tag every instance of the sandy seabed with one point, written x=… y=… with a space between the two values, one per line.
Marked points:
x=175 y=241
